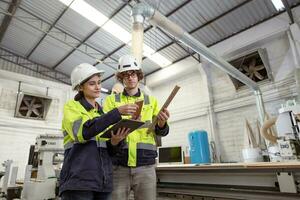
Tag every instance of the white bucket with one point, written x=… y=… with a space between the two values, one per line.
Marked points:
x=274 y=154
x=252 y=155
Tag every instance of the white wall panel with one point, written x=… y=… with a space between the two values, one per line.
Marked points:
x=188 y=109
x=18 y=134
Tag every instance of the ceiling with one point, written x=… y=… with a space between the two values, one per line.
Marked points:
x=50 y=38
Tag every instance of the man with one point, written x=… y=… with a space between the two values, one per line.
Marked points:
x=134 y=166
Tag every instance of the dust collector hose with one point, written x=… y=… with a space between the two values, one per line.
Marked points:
x=264 y=130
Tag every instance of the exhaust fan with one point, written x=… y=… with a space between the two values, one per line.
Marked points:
x=31 y=106
x=254 y=65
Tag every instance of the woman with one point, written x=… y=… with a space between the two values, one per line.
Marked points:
x=87 y=170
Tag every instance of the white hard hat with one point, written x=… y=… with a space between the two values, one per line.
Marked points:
x=127 y=63
x=82 y=72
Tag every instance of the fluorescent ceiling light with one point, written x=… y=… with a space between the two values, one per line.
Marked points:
x=104 y=89
x=99 y=19
x=278 y=4
x=117 y=31
x=147 y=51
x=87 y=11
x=160 y=60
x=66 y=2
x=155 y=57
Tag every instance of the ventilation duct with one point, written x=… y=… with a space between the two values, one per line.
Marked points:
x=31 y=106
x=254 y=65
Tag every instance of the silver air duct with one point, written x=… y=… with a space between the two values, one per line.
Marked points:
x=142 y=11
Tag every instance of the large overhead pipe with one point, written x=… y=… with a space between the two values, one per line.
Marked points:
x=142 y=12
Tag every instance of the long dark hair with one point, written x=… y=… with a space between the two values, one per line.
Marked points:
x=79 y=96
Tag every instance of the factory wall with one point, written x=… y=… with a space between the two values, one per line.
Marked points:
x=207 y=87
x=188 y=107
x=17 y=134
x=233 y=107
x=10 y=66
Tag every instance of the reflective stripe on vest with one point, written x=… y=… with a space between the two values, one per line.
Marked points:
x=75 y=129
x=125 y=146
x=70 y=144
x=101 y=144
x=146 y=99
x=117 y=98
x=144 y=146
x=65 y=133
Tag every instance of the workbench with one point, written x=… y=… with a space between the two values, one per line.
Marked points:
x=263 y=180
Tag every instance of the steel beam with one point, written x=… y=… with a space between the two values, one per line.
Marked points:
x=7 y=18
x=288 y=10
x=208 y=22
x=66 y=36
x=52 y=25
x=32 y=66
x=90 y=35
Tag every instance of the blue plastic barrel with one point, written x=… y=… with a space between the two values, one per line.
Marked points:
x=199 y=147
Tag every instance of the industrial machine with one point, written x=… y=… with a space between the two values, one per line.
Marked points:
x=287 y=126
x=46 y=155
x=9 y=190
x=5 y=175
x=287 y=140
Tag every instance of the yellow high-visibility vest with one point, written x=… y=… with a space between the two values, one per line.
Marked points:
x=138 y=139
x=75 y=115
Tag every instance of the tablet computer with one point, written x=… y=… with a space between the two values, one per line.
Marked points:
x=124 y=123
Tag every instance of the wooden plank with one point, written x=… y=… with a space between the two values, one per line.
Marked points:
x=166 y=104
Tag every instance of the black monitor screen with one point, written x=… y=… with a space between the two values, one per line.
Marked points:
x=169 y=154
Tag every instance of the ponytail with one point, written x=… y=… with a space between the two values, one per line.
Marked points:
x=79 y=96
